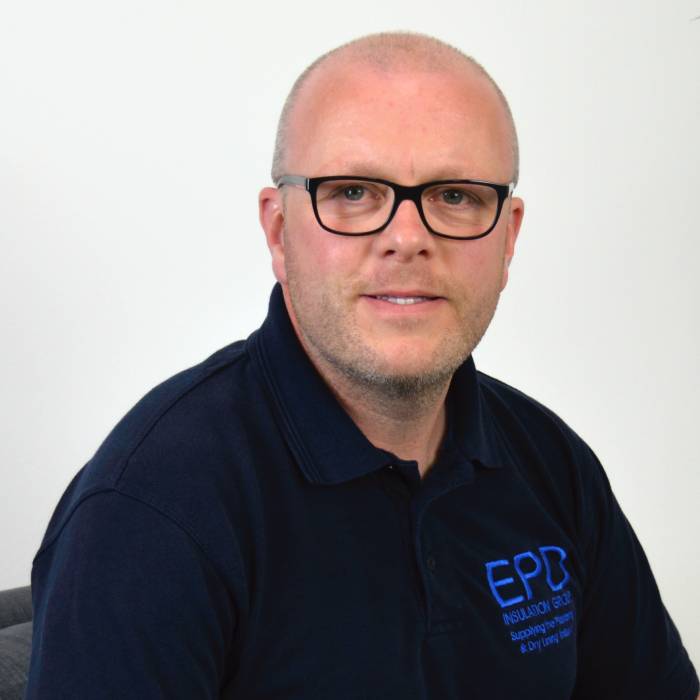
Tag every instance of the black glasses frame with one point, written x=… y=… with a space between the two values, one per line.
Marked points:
x=401 y=192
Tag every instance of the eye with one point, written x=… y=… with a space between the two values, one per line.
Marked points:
x=455 y=197
x=458 y=196
x=353 y=192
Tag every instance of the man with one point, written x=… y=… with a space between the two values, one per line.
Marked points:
x=341 y=506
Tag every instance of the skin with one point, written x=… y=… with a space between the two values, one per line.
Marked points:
x=390 y=366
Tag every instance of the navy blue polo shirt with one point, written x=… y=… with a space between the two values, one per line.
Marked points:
x=237 y=536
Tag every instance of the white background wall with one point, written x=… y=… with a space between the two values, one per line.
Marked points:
x=134 y=137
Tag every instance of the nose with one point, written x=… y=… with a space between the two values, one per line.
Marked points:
x=406 y=235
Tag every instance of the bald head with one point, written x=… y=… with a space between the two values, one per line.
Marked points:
x=386 y=52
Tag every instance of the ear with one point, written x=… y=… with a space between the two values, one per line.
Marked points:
x=515 y=218
x=271 y=215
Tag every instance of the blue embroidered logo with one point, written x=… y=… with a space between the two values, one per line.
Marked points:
x=551 y=618
x=526 y=572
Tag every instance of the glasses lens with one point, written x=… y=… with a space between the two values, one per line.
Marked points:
x=353 y=206
x=460 y=210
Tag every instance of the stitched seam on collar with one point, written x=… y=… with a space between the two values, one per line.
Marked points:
x=297 y=444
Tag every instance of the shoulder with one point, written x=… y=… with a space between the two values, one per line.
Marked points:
x=171 y=451
x=527 y=425
x=174 y=415
x=543 y=453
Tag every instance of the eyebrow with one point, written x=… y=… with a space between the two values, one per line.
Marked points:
x=376 y=170
x=363 y=168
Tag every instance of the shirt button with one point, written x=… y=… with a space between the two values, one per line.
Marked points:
x=431 y=563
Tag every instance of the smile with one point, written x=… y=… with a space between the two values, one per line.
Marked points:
x=404 y=300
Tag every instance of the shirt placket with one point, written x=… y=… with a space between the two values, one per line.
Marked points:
x=413 y=498
x=428 y=561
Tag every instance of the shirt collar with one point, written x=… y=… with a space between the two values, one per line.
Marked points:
x=325 y=441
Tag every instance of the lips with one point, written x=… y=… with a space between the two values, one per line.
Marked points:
x=404 y=298
x=413 y=298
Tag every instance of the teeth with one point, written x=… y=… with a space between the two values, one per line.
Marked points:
x=404 y=300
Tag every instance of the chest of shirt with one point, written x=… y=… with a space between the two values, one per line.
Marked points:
x=372 y=588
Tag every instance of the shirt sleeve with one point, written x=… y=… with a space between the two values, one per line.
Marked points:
x=629 y=646
x=126 y=605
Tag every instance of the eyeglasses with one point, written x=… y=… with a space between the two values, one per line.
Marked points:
x=352 y=206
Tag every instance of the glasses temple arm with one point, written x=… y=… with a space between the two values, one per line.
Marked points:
x=298 y=180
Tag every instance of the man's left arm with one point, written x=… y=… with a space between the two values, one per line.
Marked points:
x=629 y=646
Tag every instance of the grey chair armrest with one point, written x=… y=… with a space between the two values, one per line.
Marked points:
x=15 y=650
x=15 y=641
x=15 y=606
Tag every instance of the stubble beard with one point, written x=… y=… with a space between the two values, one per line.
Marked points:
x=331 y=334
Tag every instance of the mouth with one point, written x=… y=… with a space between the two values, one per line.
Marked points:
x=408 y=297
x=402 y=300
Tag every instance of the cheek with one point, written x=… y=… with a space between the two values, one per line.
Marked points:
x=477 y=272
x=300 y=250
x=317 y=257
x=479 y=262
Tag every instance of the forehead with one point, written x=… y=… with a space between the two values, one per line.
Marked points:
x=409 y=125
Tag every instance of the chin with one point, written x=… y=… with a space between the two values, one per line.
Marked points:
x=416 y=365
x=419 y=355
